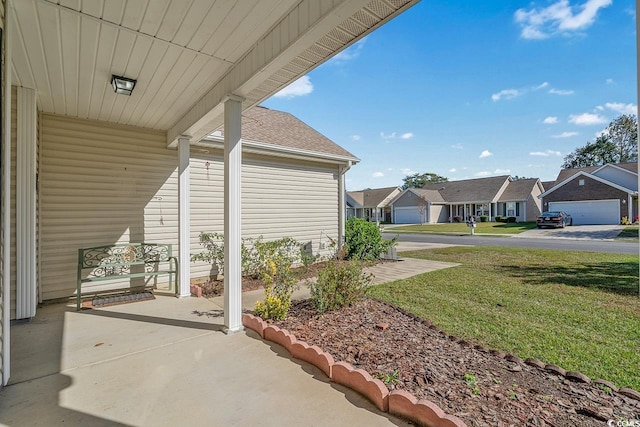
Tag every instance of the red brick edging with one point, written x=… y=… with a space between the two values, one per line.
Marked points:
x=397 y=402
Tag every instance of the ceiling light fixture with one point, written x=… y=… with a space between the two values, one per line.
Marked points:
x=122 y=85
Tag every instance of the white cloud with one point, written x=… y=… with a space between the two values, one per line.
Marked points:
x=452 y=170
x=457 y=146
x=541 y=86
x=545 y=153
x=550 y=120
x=558 y=18
x=483 y=173
x=300 y=87
x=565 y=135
x=502 y=171
x=377 y=175
x=561 y=92
x=609 y=81
x=587 y=119
x=394 y=135
x=621 y=108
x=485 y=153
x=506 y=94
x=355 y=137
x=350 y=53
x=407 y=171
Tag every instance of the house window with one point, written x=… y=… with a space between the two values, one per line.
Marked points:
x=511 y=208
x=482 y=209
x=581 y=182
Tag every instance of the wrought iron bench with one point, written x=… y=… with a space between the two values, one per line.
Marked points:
x=124 y=261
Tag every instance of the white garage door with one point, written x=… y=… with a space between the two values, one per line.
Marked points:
x=407 y=215
x=590 y=212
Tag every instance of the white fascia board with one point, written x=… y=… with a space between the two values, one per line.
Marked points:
x=279 y=151
x=588 y=175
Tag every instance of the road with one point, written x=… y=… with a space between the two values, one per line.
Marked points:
x=560 y=244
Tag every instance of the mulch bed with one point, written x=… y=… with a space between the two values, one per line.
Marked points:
x=480 y=387
x=214 y=287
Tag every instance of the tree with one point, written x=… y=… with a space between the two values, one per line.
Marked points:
x=516 y=178
x=618 y=143
x=418 y=180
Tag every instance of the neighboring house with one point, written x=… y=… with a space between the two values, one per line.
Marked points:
x=520 y=199
x=83 y=164
x=596 y=194
x=372 y=204
x=493 y=196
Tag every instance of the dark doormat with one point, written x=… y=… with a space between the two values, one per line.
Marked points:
x=115 y=299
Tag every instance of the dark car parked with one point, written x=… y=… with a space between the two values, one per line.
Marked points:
x=554 y=219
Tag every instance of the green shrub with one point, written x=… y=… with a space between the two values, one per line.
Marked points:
x=484 y=218
x=511 y=219
x=339 y=284
x=363 y=240
x=257 y=252
x=500 y=218
x=457 y=218
x=279 y=281
x=214 y=250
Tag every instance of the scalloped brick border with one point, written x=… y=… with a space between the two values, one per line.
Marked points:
x=404 y=404
x=360 y=381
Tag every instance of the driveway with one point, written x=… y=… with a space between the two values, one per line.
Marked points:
x=580 y=232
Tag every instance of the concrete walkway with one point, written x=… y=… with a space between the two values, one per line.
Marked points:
x=166 y=363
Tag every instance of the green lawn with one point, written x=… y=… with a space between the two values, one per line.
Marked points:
x=461 y=228
x=629 y=233
x=577 y=310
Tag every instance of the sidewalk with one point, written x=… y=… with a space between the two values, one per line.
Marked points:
x=383 y=273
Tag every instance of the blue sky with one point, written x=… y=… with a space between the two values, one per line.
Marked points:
x=468 y=89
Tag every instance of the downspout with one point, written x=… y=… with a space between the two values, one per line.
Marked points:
x=6 y=202
x=342 y=204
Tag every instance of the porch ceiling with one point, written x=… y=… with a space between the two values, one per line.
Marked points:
x=187 y=55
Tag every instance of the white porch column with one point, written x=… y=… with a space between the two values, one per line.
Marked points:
x=26 y=286
x=184 y=217
x=6 y=196
x=342 y=206
x=232 y=214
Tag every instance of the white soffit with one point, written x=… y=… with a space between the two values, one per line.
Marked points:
x=186 y=55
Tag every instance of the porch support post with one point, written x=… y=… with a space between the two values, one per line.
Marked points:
x=342 y=205
x=26 y=286
x=5 y=306
x=184 y=217
x=232 y=214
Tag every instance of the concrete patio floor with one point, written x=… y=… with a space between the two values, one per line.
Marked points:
x=167 y=362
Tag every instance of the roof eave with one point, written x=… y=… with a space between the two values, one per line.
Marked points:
x=280 y=151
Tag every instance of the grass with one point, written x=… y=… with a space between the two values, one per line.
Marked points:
x=461 y=228
x=578 y=311
x=629 y=233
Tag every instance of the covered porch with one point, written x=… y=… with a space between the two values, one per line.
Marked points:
x=196 y=65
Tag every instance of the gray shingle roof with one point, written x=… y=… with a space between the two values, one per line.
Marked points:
x=261 y=124
x=469 y=190
x=433 y=196
x=371 y=197
x=566 y=173
x=518 y=190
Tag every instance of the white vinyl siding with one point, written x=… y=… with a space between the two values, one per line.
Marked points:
x=97 y=183
x=102 y=184
x=280 y=198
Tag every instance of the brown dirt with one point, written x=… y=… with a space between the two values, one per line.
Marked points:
x=480 y=387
